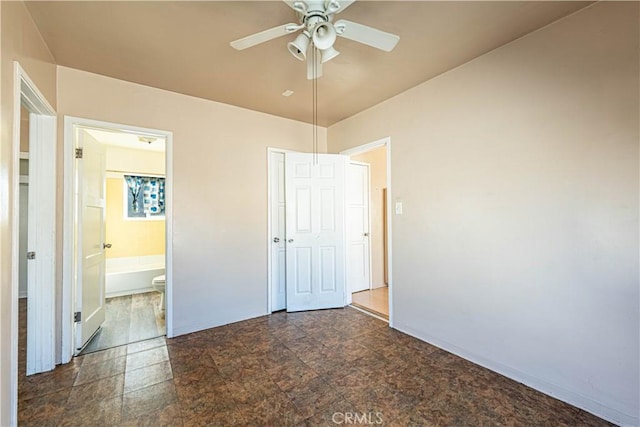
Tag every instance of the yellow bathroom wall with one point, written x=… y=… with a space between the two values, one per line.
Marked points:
x=130 y=237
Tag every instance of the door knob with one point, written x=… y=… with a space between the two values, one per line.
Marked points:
x=106 y=245
x=276 y=239
x=366 y=234
x=290 y=240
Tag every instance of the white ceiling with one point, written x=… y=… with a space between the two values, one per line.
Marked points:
x=127 y=140
x=183 y=46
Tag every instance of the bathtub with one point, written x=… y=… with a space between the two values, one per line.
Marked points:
x=132 y=275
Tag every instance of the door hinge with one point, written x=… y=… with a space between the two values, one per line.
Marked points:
x=31 y=255
x=77 y=316
x=79 y=152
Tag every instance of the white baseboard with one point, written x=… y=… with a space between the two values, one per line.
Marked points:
x=368 y=313
x=201 y=326
x=568 y=396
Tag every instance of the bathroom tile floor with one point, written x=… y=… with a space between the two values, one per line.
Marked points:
x=287 y=369
x=129 y=319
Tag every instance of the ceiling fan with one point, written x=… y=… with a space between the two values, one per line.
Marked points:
x=318 y=33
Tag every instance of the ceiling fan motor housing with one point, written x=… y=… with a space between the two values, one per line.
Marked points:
x=318 y=23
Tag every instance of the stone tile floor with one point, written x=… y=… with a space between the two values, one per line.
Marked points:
x=329 y=367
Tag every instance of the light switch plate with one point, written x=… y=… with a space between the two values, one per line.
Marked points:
x=398 y=208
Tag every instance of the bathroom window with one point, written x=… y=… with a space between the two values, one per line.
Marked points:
x=144 y=197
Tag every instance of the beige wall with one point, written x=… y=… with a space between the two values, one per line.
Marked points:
x=377 y=160
x=130 y=238
x=19 y=41
x=24 y=130
x=518 y=173
x=219 y=189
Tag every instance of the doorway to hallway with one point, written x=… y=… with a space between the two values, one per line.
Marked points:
x=370 y=228
x=375 y=301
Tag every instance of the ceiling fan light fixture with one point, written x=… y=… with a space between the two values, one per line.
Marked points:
x=324 y=35
x=329 y=54
x=298 y=47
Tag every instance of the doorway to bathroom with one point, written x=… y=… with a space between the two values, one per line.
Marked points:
x=120 y=203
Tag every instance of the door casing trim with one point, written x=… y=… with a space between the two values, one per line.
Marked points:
x=41 y=330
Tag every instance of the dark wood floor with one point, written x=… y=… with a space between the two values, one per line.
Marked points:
x=312 y=368
x=129 y=319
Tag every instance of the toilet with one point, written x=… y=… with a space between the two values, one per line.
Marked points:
x=158 y=284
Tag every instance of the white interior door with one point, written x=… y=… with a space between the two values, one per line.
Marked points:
x=315 y=228
x=41 y=245
x=22 y=244
x=90 y=290
x=277 y=238
x=358 y=252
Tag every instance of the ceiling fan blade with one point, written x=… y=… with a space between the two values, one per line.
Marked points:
x=314 y=58
x=366 y=35
x=264 y=36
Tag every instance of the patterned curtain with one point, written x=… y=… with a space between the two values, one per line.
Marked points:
x=153 y=196
x=134 y=183
x=146 y=195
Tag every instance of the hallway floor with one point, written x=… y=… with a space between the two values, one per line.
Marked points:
x=286 y=369
x=375 y=301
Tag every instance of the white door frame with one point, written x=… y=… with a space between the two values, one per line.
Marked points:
x=70 y=232
x=42 y=147
x=384 y=142
x=269 y=219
